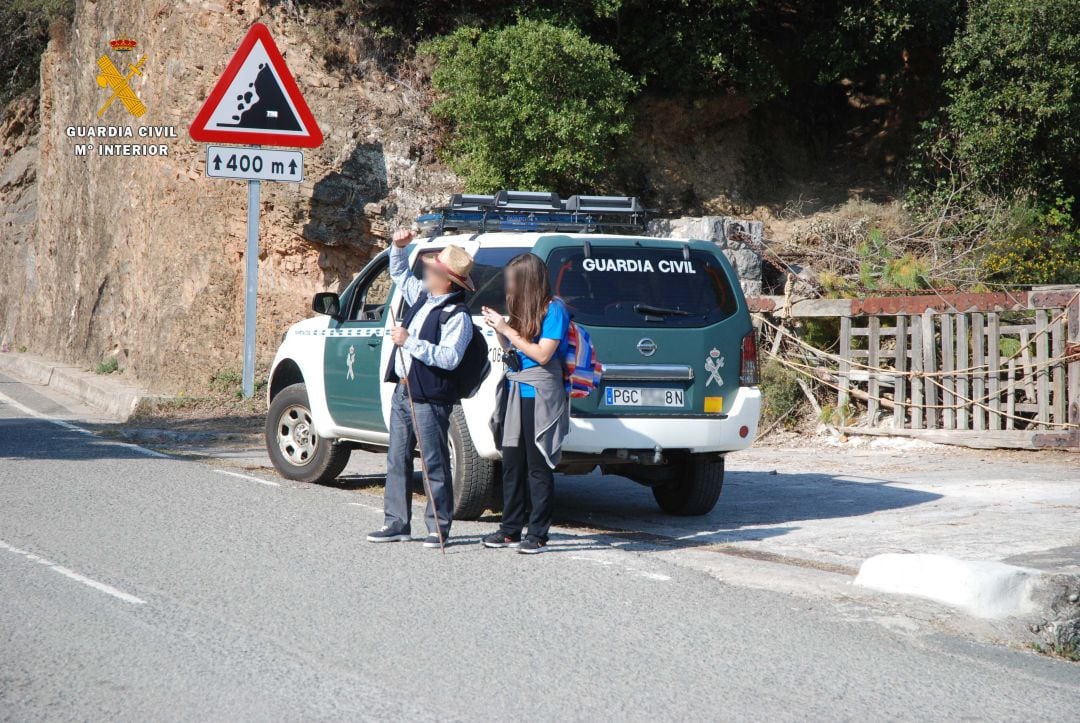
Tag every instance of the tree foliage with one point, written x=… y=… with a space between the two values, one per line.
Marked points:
x=26 y=33
x=532 y=105
x=842 y=39
x=1012 y=120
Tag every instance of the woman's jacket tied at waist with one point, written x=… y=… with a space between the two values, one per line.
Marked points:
x=552 y=409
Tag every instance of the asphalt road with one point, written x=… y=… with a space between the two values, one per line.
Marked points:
x=134 y=587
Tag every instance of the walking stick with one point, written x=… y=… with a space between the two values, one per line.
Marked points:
x=420 y=445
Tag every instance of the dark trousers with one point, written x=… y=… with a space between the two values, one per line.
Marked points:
x=528 y=482
x=433 y=421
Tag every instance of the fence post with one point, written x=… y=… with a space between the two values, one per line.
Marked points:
x=993 y=361
x=978 y=375
x=930 y=366
x=845 y=363
x=1042 y=359
x=917 y=381
x=1057 y=350
x=963 y=356
x=1010 y=397
x=1025 y=363
x=948 y=400
x=873 y=346
x=1074 y=365
x=900 y=384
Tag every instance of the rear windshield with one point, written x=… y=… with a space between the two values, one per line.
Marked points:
x=641 y=286
x=618 y=286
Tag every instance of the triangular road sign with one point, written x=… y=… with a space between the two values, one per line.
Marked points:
x=256 y=100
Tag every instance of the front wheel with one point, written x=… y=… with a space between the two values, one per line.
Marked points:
x=695 y=488
x=474 y=478
x=295 y=450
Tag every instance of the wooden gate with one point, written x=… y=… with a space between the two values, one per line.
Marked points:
x=986 y=370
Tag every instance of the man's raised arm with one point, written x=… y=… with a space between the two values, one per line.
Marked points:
x=399 y=267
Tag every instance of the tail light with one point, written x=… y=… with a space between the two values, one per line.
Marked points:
x=749 y=375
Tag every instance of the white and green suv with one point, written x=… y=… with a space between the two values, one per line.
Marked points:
x=667 y=318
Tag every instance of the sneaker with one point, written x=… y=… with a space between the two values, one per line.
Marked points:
x=498 y=539
x=532 y=545
x=432 y=540
x=389 y=534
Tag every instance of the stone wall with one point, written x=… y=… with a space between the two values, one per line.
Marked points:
x=739 y=240
x=142 y=257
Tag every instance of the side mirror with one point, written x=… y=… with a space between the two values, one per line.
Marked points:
x=328 y=303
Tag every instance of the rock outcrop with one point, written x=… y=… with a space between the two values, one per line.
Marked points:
x=740 y=240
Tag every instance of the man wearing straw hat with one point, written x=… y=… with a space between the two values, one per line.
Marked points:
x=429 y=344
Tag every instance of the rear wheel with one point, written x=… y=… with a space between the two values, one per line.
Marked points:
x=474 y=478
x=295 y=450
x=695 y=488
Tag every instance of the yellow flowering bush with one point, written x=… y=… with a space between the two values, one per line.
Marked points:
x=1046 y=252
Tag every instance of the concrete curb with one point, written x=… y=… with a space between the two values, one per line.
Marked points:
x=981 y=588
x=1046 y=603
x=115 y=398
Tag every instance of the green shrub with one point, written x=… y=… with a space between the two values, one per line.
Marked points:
x=532 y=105
x=107 y=366
x=227 y=381
x=780 y=394
x=908 y=272
x=820 y=332
x=1012 y=120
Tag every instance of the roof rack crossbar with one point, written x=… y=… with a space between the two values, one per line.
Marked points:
x=536 y=211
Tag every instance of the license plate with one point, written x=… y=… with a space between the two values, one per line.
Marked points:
x=644 y=397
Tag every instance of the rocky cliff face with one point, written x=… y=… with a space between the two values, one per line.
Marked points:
x=142 y=257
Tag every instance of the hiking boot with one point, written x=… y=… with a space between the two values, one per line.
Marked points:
x=498 y=539
x=532 y=545
x=390 y=534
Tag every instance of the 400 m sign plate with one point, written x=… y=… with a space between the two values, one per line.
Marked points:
x=254 y=164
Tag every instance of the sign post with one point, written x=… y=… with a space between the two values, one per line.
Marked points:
x=255 y=102
x=251 y=278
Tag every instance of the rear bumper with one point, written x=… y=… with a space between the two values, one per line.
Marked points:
x=593 y=435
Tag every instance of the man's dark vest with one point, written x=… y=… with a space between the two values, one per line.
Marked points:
x=428 y=384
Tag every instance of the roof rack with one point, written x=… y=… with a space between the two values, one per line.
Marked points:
x=534 y=211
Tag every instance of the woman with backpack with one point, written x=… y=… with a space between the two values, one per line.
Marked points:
x=532 y=416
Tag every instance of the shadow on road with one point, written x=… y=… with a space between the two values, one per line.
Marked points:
x=37 y=439
x=754 y=505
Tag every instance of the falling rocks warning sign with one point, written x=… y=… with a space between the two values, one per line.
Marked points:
x=256 y=101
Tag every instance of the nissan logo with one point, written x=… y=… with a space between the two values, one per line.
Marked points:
x=646 y=346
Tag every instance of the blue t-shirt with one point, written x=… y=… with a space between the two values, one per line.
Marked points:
x=554 y=326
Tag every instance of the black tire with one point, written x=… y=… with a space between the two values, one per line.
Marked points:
x=299 y=454
x=695 y=489
x=474 y=478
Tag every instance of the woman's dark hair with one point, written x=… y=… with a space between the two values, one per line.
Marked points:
x=531 y=294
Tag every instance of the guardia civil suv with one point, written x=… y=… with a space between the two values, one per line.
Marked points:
x=667 y=318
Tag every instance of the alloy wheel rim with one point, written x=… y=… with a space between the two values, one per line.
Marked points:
x=296 y=436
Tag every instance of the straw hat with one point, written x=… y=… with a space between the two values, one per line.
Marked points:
x=454 y=262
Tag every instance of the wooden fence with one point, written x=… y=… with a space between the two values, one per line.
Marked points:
x=984 y=370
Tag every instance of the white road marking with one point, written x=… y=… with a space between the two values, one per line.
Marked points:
x=373 y=508
x=66 y=572
x=248 y=477
x=76 y=428
x=630 y=568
